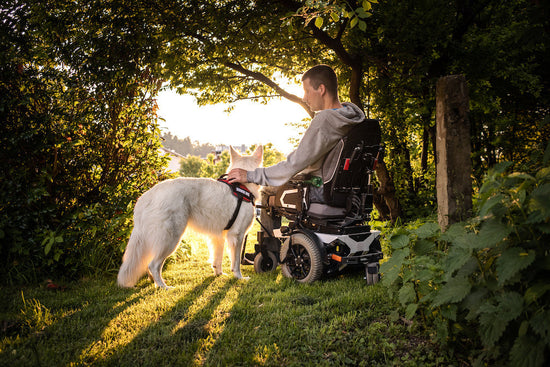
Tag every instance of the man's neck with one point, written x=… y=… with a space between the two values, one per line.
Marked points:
x=333 y=105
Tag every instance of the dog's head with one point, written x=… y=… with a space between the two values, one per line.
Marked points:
x=246 y=162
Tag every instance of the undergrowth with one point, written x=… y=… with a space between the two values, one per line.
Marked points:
x=482 y=286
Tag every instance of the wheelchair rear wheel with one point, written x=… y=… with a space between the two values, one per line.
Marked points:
x=303 y=260
x=263 y=264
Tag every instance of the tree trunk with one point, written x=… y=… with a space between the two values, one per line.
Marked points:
x=387 y=190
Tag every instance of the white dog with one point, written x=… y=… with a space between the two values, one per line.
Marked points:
x=162 y=213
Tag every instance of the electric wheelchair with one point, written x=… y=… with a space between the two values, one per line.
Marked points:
x=325 y=237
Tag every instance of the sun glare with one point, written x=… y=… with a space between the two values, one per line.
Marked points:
x=248 y=123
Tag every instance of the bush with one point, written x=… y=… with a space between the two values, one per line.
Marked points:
x=79 y=144
x=483 y=285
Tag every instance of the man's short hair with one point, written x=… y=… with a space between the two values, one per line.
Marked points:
x=322 y=74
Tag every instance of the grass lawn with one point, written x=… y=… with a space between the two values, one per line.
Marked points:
x=268 y=320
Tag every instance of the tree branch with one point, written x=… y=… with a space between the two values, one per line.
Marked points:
x=265 y=80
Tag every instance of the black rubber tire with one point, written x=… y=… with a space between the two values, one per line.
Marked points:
x=303 y=260
x=263 y=265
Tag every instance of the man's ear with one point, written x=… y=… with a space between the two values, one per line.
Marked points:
x=322 y=89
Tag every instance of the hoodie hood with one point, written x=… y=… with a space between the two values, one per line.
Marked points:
x=348 y=114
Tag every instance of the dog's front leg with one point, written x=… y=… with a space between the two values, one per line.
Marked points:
x=217 y=254
x=235 y=243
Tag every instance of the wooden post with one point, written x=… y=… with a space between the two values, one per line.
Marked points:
x=453 y=162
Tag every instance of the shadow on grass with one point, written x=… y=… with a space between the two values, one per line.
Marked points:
x=80 y=316
x=179 y=334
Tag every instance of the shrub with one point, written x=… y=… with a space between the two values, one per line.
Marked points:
x=483 y=285
x=79 y=144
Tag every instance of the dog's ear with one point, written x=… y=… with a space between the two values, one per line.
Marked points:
x=234 y=154
x=259 y=154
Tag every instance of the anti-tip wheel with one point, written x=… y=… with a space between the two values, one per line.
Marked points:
x=265 y=264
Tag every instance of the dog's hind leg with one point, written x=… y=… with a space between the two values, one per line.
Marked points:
x=167 y=242
x=217 y=244
x=235 y=244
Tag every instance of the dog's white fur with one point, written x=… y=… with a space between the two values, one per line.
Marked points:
x=162 y=214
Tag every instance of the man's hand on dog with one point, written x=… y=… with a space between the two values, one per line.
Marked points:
x=237 y=175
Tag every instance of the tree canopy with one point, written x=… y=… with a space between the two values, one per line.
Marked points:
x=79 y=80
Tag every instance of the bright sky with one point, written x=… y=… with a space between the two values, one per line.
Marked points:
x=248 y=123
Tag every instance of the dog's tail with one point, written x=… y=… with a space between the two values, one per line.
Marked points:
x=134 y=261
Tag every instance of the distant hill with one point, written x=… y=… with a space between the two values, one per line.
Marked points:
x=186 y=146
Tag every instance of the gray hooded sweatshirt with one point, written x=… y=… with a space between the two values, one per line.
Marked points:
x=325 y=130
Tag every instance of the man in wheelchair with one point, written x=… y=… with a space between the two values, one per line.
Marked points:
x=330 y=201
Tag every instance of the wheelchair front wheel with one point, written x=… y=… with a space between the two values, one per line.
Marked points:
x=303 y=260
x=265 y=264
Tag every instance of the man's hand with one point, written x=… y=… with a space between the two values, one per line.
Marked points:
x=237 y=175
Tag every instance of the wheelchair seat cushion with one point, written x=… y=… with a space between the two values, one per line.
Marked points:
x=323 y=211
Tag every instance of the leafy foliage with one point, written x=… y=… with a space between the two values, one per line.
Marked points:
x=490 y=275
x=79 y=138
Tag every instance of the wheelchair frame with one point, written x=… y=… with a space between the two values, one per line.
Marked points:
x=314 y=244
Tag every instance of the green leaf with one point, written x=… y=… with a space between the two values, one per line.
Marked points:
x=392 y=267
x=410 y=310
x=423 y=247
x=455 y=259
x=494 y=319
x=492 y=233
x=367 y=5
x=527 y=352
x=453 y=291
x=501 y=167
x=334 y=16
x=546 y=157
x=399 y=241
x=543 y=174
x=354 y=22
x=454 y=231
x=540 y=197
x=407 y=294
x=48 y=247
x=541 y=325
x=318 y=22
x=427 y=230
x=487 y=207
x=533 y=293
x=511 y=262
x=362 y=25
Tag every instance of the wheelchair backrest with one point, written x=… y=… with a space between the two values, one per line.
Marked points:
x=348 y=166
